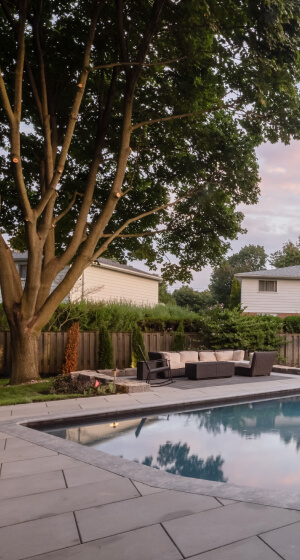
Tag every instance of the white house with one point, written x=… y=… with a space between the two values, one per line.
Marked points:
x=106 y=280
x=274 y=292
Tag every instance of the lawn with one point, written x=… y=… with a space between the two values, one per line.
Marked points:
x=35 y=392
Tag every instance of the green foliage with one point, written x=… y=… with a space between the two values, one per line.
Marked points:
x=224 y=328
x=249 y=258
x=137 y=340
x=288 y=256
x=179 y=338
x=106 y=354
x=68 y=385
x=192 y=299
x=164 y=296
x=235 y=295
x=291 y=324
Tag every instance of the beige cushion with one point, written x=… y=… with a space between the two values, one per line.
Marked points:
x=207 y=357
x=224 y=355
x=238 y=355
x=172 y=356
x=188 y=356
x=176 y=365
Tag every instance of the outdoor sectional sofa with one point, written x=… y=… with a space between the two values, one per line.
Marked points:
x=179 y=359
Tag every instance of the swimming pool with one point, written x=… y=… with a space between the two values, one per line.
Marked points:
x=250 y=444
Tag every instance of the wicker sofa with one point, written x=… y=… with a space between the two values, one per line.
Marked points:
x=179 y=359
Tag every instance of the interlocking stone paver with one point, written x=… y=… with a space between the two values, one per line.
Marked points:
x=2 y=444
x=31 y=484
x=86 y=474
x=285 y=541
x=63 y=405
x=4 y=436
x=226 y=502
x=212 y=529
x=29 y=452
x=249 y=549
x=38 y=537
x=144 y=489
x=36 y=506
x=147 y=510
x=40 y=465
x=149 y=543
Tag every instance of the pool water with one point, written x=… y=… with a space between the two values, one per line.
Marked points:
x=252 y=444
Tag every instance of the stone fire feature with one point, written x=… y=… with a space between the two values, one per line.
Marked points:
x=123 y=384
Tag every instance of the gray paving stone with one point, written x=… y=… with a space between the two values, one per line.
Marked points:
x=147 y=510
x=249 y=549
x=2 y=444
x=36 y=506
x=16 y=443
x=226 y=502
x=149 y=543
x=5 y=414
x=4 y=436
x=63 y=405
x=40 y=465
x=38 y=537
x=29 y=452
x=285 y=541
x=86 y=475
x=31 y=484
x=211 y=529
x=144 y=489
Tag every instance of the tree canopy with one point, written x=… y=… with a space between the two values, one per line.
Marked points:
x=249 y=258
x=129 y=129
x=289 y=255
x=192 y=299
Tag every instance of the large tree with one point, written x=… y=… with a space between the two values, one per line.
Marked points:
x=288 y=256
x=249 y=258
x=129 y=128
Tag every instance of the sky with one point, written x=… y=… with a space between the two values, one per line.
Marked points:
x=275 y=219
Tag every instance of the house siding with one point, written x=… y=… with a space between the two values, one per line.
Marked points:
x=286 y=301
x=102 y=284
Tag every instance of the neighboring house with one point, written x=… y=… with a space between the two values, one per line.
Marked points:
x=105 y=280
x=273 y=292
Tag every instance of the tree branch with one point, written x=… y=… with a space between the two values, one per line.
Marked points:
x=64 y=212
x=5 y=102
x=20 y=61
x=185 y=115
x=145 y=233
x=74 y=111
x=139 y=217
x=143 y=65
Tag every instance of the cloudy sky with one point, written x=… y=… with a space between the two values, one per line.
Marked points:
x=275 y=219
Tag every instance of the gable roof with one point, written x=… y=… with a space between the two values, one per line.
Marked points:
x=288 y=272
x=128 y=269
x=104 y=263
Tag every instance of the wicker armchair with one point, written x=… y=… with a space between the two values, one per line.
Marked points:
x=262 y=363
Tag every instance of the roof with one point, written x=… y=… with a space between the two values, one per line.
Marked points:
x=288 y=272
x=105 y=263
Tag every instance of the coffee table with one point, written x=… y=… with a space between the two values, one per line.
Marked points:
x=209 y=370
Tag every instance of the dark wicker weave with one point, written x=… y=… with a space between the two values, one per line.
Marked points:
x=262 y=363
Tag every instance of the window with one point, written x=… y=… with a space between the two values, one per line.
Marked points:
x=267 y=286
x=23 y=271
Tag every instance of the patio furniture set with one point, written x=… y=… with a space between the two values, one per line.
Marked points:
x=203 y=365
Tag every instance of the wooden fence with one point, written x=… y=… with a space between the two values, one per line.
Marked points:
x=52 y=344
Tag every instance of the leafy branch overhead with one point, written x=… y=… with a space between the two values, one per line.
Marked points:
x=129 y=128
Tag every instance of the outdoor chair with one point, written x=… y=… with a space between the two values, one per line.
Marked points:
x=261 y=364
x=163 y=368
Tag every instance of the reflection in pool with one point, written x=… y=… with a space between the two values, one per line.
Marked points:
x=253 y=444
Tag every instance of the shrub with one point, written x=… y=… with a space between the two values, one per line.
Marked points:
x=291 y=324
x=68 y=385
x=179 y=338
x=137 y=340
x=106 y=353
x=71 y=350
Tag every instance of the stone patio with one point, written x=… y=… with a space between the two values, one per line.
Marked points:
x=60 y=500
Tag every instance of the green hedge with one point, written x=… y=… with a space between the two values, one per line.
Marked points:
x=291 y=324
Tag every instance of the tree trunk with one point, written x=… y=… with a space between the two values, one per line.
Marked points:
x=24 y=355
